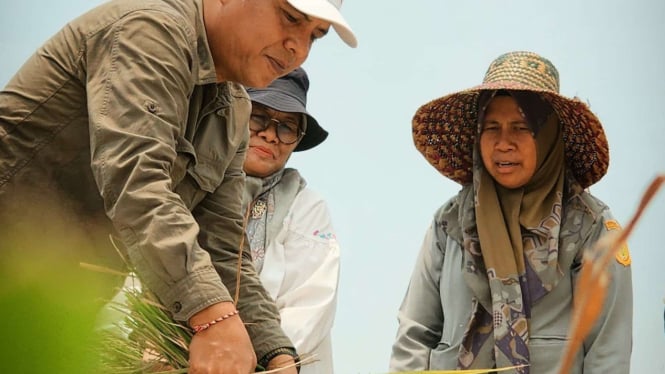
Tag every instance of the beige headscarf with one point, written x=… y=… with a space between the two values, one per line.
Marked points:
x=517 y=262
x=501 y=212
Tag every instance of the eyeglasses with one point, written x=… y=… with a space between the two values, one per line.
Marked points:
x=288 y=131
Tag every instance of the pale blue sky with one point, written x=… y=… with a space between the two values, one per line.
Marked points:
x=383 y=193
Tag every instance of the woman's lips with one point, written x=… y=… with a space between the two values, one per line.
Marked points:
x=263 y=151
x=505 y=166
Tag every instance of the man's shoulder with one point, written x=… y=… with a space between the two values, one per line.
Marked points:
x=183 y=13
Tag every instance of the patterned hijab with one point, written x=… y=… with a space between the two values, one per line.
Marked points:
x=511 y=254
x=268 y=200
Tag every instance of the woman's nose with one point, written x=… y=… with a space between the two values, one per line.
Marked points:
x=505 y=140
x=270 y=132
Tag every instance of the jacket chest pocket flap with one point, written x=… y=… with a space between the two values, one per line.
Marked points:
x=194 y=176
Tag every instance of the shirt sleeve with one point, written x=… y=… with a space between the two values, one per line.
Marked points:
x=609 y=344
x=221 y=232
x=421 y=316
x=307 y=299
x=138 y=82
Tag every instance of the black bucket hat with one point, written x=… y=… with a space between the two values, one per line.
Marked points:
x=289 y=94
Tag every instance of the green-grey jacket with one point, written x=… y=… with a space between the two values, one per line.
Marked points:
x=118 y=121
x=437 y=306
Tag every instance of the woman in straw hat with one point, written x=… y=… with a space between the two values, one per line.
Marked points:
x=493 y=283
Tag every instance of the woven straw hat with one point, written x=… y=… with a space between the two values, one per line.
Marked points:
x=445 y=129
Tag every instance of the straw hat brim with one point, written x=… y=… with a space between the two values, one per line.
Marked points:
x=445 y=131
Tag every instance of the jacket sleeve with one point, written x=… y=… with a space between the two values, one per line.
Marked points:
x=608 y=347
x=138 y=82
x=308 y=297
x=421 y=316
x=221 y=233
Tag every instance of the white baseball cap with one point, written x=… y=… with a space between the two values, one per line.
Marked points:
x=328 y=10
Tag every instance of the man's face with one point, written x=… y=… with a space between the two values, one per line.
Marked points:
x=253 y=42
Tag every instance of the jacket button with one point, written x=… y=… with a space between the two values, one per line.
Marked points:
x=151 y=107
x=177 y=307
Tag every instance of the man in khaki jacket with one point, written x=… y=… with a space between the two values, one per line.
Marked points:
x=132 y=118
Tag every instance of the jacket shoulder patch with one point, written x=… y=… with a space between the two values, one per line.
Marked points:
x=623 y=254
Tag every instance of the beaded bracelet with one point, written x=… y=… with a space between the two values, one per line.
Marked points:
x=265 y=360
x=199 y=328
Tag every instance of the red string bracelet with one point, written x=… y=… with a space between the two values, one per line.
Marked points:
x=199 y=328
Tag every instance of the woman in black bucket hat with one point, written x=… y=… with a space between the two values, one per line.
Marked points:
x=290 y=232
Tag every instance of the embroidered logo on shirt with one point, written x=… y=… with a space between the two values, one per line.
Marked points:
x=324 y=235
x=623 y=255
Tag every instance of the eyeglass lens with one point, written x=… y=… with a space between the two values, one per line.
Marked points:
x=288 y=132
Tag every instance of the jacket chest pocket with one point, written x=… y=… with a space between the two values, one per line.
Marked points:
x=185 y=156
x=193 y=176
x=215 y=145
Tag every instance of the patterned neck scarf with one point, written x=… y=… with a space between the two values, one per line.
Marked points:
x=511 y=254
x=268 y=200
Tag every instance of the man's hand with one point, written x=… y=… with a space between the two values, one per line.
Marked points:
x=223 y=348
x=281 y=361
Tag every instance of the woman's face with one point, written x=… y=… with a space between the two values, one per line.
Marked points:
x=266 y=153
x=507 y=144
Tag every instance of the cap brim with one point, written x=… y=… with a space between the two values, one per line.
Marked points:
x=326 y=11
